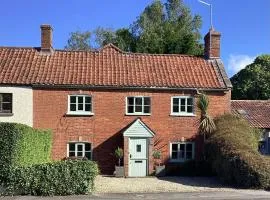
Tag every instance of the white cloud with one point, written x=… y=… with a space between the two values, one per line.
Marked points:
x=237 y=62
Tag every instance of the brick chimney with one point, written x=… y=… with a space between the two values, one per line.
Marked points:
x=46 y=38
x=212 y=44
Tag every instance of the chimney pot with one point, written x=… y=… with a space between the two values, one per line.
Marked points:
x=212 y=44
x=46 y=38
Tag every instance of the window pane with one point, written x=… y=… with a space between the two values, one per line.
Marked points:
x=174 y=155
x=138 y=101
x=72 y=107
x=147 y=101
x=7 y=97
x=88 y=155
x=87 y=99
x=130 y=101
x=72 y=99
x=174 y=147
x=130 y=109
x=6 y=107
x=190 y=101
x=183 y=102
x=189 y=155
x=189 y=109
x=79 y=154
x=88 y=107
x=80 y=99
x=80 y=106
x=138 y=108
x=71 y=154
x=175 y=109
x=79 y=147
x=182 y=147
x=183 y=108
x=87 y=147
x=182 y=155
x=146 y=109
x=189 y=147
x=175 y=101
x=138 y=148
x=71 y=147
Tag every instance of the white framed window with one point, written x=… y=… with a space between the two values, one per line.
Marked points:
x=138 y=105
x=182 y=151
x=182 y=106
x=80 y=105
x=79 y=149
x=5 y=103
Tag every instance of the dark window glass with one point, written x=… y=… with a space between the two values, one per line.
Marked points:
x=138 y=101
x=146 y=101
x=189 y=109
x=5 y=103
x=7 y=98
x=139 y=148
x=175 y=101
x=183 y=108
x=189 y=147
x=182 y=155
x=190 y=101
x=79 y=147
x=80 y=99
x=182 y=147
x=72 y=107
x=72 y=147
x=183 y=102
x=138 y=108
x=130 y=101
x=87 y=147
x=130 y=109
x=174 y=147
x=88 y=155
x=88 y=107
x=72 y=99
x=146 y=109
x=79 y=153
x=189 y=155
x=71 y=154
x=6 y=107
x=87 y=99
x=80 y=106
x=174 y=155
x=175 y=109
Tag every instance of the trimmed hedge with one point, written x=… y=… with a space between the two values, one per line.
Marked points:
x=57 y=178
x=233 y=151
x=21 y=145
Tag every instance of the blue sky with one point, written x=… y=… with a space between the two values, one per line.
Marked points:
x=244 y=24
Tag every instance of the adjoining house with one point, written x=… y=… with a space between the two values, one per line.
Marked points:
x=257 y=113
x=95 y=101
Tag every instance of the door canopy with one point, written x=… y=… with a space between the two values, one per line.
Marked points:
x=138 y=129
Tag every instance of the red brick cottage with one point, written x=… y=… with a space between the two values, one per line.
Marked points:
x=95 y=101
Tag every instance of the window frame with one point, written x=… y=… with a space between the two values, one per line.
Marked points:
x=185 y=153
x=1 y=104
x=80 y=112
x=139 y=113
x=179 y=113
x=76 y=149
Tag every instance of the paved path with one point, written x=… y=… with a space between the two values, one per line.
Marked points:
x=243 y=194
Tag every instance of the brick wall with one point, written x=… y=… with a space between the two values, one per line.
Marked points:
x=104 y=128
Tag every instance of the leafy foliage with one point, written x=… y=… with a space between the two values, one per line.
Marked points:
x=119 y=154
x=253 y=81
x=233 y=151
x=161 y=28
x=79 y=41
x=21 y=145
x=57 y=178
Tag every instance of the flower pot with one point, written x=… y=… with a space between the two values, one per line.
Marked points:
x=160 y=171
x=119 y=171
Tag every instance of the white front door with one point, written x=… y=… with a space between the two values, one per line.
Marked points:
x=138 y=157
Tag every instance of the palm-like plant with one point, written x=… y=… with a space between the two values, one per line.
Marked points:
x=207 y=125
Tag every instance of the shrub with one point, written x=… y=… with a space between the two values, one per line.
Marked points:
x=21 y=145
x=233 y=152
x=56 y=178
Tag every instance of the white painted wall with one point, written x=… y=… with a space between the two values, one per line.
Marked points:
x=22 y=105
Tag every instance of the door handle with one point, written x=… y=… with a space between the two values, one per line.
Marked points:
x=130 y=155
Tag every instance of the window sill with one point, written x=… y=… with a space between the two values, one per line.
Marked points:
x=136 y=114
x=79 y=114
x=6 y=114
x=182 y=115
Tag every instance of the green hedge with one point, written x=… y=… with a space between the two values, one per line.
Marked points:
x=57 y=178
x=233 y=152
x=21 y=145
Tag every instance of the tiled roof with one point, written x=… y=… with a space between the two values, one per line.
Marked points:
x=108 y=67
x=257 y=112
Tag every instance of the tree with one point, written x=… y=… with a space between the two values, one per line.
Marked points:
x=253 y=82
x=79 y=41
x=161 y=28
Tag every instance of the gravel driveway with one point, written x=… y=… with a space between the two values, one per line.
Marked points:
x=105 y=184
